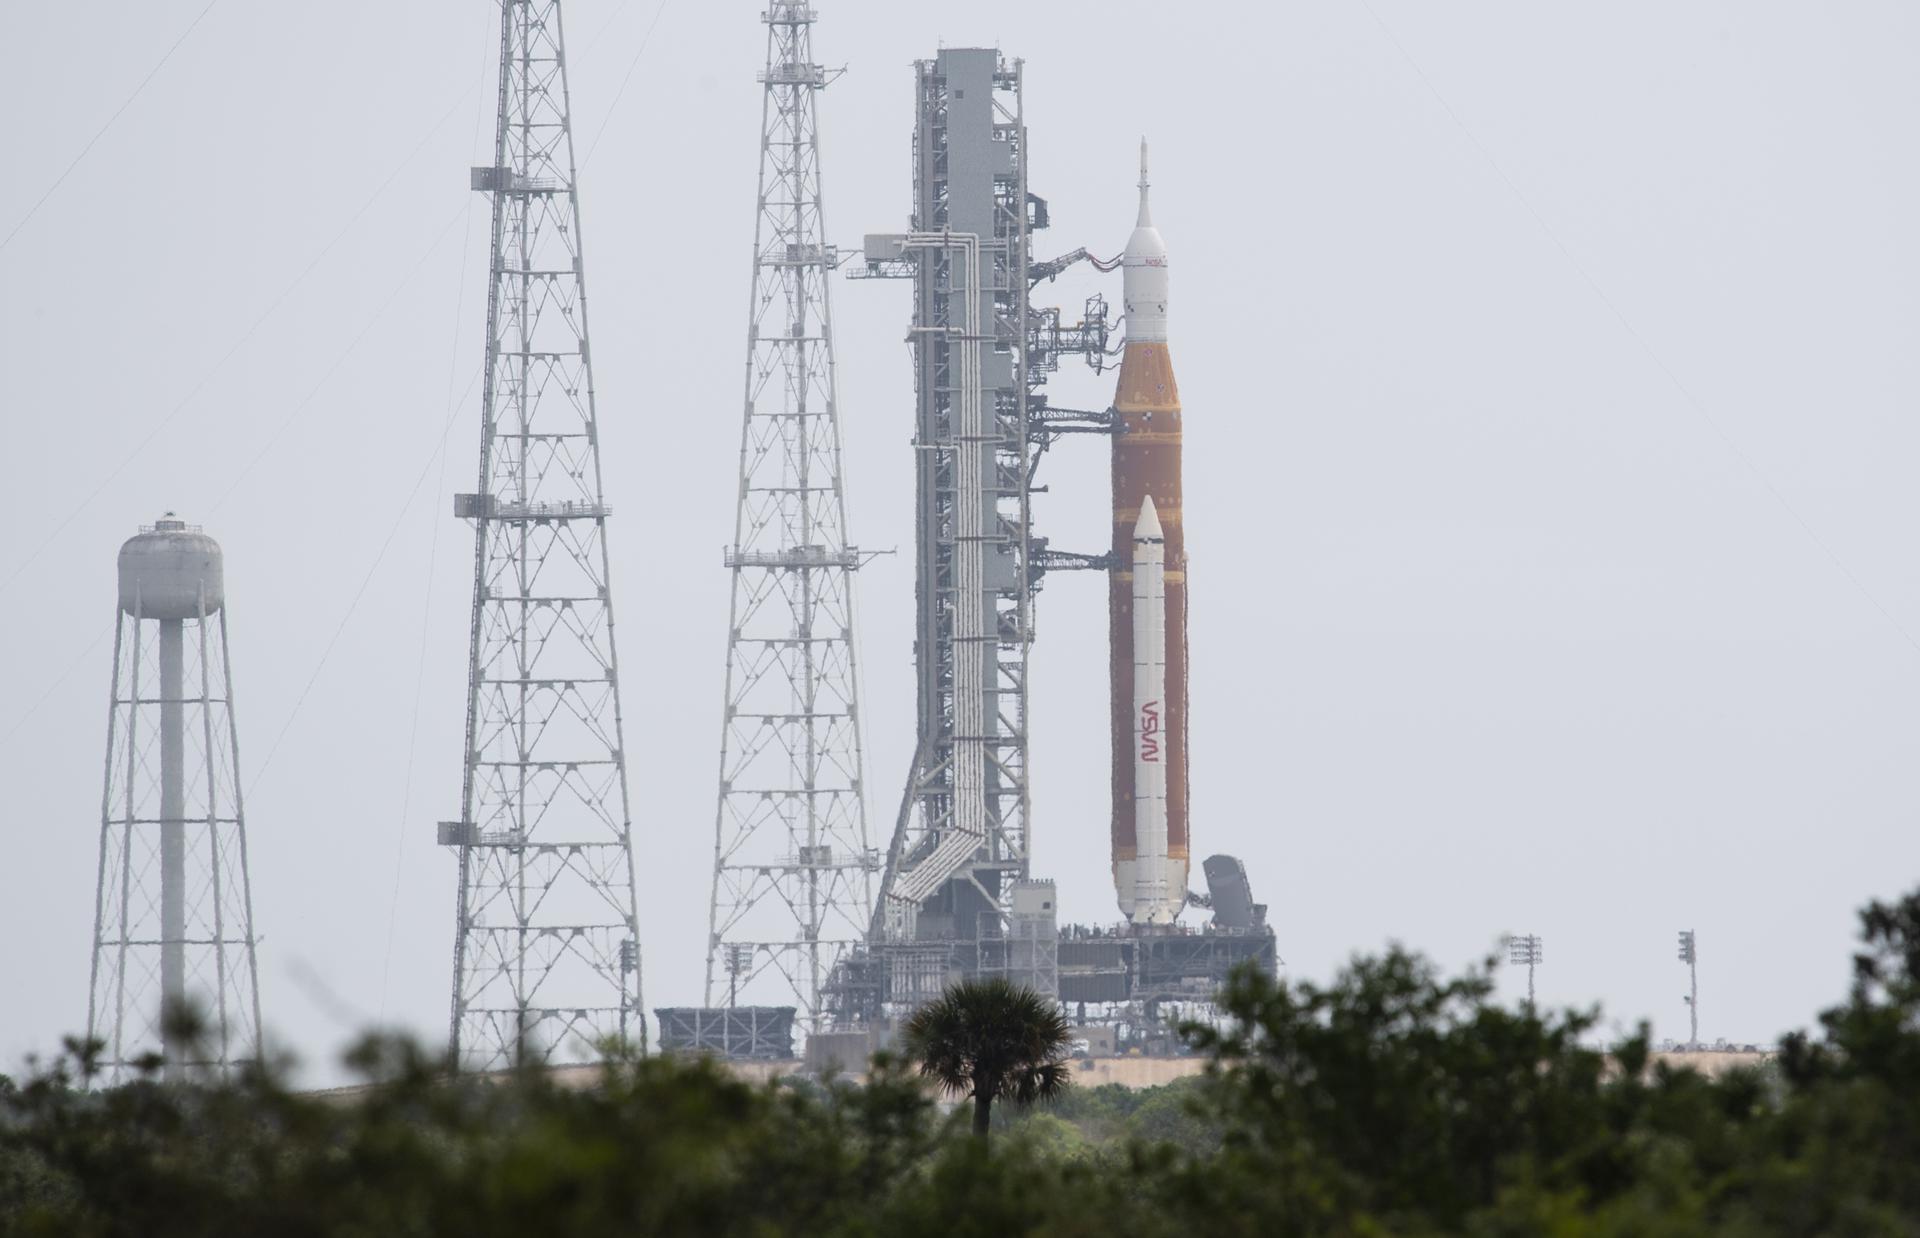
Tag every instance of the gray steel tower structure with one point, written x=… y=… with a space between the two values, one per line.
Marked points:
x=546 y=953
x=173 y=909
x=793 y=871
x=958 y=895
x=955 y=895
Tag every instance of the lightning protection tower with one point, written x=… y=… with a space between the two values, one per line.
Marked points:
x=546 y=956
x=793 y=872
x=173 y=911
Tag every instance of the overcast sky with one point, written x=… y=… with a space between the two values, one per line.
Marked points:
x=1550 y=379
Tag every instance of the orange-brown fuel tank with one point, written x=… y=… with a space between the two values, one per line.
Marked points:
x=1146 y=461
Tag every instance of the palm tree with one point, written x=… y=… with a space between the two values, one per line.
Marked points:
x=989 y=1039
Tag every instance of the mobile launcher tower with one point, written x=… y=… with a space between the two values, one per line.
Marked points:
x=957 y=897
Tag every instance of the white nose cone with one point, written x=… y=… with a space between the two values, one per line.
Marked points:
x=1144 y=273
x=1147 y=527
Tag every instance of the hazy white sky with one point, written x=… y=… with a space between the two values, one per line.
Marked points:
x=1550 y=381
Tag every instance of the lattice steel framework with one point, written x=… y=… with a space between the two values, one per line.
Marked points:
x=546 y=953
x=793 y=870
x=982 y=353
x=961 y=839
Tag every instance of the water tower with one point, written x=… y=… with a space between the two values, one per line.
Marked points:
x=173 y=918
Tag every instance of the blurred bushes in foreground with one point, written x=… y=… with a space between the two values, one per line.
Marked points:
x=1394 y=1100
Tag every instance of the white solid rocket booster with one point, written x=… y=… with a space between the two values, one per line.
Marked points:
x=1153 y=901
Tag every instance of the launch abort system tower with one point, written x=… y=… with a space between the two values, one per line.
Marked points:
x=793 y=869
x=546 y=955
x=173 y=911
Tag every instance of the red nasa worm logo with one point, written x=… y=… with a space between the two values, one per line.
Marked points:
x=1150 y=732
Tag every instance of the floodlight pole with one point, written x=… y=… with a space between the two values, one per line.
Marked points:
x=1690 y=955
x=1526 y=949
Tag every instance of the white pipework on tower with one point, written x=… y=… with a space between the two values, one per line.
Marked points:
x=1144 y=273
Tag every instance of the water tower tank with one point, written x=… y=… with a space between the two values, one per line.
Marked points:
x=171 y=572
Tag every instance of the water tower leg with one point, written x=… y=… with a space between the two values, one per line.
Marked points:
x=173 y=834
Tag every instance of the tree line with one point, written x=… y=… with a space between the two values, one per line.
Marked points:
x=1392 y=1100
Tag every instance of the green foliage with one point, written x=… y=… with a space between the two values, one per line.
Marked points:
x=1396 y=1092
x=661 y=1147
x=988 y=1039
x=1391 y=1101
x=1175 y=1114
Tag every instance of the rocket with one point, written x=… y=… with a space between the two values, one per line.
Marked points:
x=1147 y=599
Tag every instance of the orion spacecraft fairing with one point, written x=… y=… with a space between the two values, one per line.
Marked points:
x=1147 y=599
